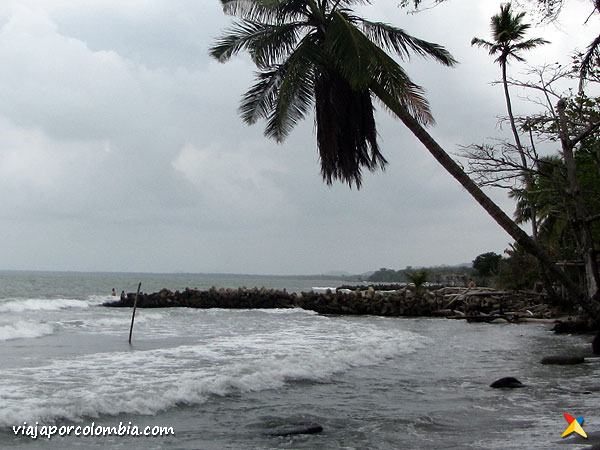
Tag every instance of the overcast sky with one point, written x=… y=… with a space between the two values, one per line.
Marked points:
x=121 y=148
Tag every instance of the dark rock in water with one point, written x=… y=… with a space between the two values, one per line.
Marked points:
x=563 y=360
x=593 y=439
x=506 y=382
x=311 y=428
x=593 y=447
x=572 y=326
x=596 y=345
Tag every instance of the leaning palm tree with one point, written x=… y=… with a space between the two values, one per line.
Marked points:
x=319 y=54
x=508 y=32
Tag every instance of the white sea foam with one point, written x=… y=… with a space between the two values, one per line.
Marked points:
x=100 y=299
x=123 y=319
x=146 y=382
x=114 y=321
x=322 y=290
x=35 y=304
x=288 y=311
x=24 y=329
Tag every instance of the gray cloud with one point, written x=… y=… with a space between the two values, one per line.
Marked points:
x=121 y=149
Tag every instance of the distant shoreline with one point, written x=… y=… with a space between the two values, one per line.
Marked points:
x=357 y=278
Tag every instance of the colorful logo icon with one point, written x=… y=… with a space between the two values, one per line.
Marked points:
x=574 y=426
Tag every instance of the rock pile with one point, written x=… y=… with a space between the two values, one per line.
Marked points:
x=241 y=298
x=402 y=302
x=478 y=304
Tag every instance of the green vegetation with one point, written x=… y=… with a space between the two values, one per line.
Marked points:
x=418 y=278
x=486 y=266
x=420 y=275
x=517 y=271
x=384 y=275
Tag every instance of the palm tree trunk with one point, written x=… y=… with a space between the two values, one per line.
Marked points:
x=590 y=306
x=526 y=175
x=511 y=117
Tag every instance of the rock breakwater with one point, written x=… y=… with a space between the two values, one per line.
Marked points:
x=480 y=305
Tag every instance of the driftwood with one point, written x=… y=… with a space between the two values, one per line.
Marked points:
x=481 y=304
x=459 y=294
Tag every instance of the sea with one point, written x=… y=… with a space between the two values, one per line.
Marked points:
x=239 y=379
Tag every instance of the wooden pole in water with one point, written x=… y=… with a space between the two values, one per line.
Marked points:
x=133 y=314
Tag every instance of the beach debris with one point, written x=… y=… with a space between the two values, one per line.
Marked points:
x=573 y=326
x=500 y=320
x=506 y=383
x=134 y=308
x=310 y=428
x=596 y=345
x=563 y=360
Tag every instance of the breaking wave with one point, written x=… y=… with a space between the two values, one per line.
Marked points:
x=24 y=329
x=112 y=383
x=39 y=304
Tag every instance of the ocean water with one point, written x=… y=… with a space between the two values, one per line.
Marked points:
x=226 y=379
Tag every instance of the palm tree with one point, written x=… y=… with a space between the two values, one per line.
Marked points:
x=418 y=278
x=318 y=53
x=592 y=56
x=508 y=32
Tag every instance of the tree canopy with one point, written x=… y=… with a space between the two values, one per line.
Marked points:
x=486 y=264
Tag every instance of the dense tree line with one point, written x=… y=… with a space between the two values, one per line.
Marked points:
x=416 y=275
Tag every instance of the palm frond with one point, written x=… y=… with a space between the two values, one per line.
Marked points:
x=397 y=40
x=240 y=36
x=347 y=47
x=346 y=130
x=412 y=97
x=250 y=9
x=295 y=93
x=275 y=43
x=260 y=99
x=587 y=61
x=390 y=76
x=482 y=43
x=529 y=44
x=269 y=11
x=267 y=44
x=361 y=62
